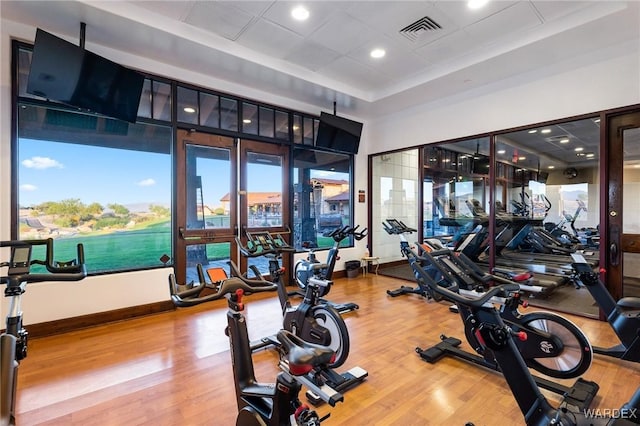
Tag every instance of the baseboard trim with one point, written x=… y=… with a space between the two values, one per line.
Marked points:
x=65 y=325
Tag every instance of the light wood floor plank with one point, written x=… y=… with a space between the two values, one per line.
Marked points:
x=174 y=368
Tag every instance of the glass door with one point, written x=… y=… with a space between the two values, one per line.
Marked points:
x=622 y=241
x=263 y=195
x=206 y=213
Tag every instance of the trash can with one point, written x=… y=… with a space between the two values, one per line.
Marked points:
x=352 y=267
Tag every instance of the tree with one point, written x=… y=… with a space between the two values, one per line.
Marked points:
x=119 y=209
x=94 y=209
x=159 y=210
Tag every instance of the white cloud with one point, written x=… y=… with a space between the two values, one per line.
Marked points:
x=147 y=182
x=41 y=163
x=28 y=187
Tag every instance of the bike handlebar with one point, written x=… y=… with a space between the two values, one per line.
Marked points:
x=397 y=227
x=340 y=234
x=192 y=297
x=262 y=244
x=72 y=270
x=451 y=293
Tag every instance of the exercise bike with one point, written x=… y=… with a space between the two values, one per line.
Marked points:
x=397 y=227
x=623 y=316
x=489 y=334
x=312 y=320
x=273 y=404
x=312 y=268
x=554 y=346
x=13 y=342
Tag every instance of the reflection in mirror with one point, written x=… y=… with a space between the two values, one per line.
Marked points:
x=394 y=195
x=454 y=185
x=547 y=185
x=631 y=212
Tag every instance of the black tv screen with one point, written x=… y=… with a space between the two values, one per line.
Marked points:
x=480 y=164
x=338 y=134
x=63 y=72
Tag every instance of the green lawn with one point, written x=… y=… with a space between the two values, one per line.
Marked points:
x=134 y=249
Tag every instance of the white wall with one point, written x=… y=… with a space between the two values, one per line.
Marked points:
x=581 y=86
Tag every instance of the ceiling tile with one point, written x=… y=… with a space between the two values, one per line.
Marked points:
x=342 y=33
x=255 y=8
x=311 y=56
x=319 y=12
x=461 y=16
x=269 y=39
x=223 y=19
x=398 y=61
x=550 y=10
x=389 y=17
x=448 y=48
x=507 y=23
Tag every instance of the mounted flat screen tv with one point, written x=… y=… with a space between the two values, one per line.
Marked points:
x=338 y=134
x=480 y=164
x=63 y=72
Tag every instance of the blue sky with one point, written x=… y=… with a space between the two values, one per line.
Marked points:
x=56 y=171
x=52 y=171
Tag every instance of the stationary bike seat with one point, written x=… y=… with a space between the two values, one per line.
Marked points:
x=303 y=356
x=629 y=303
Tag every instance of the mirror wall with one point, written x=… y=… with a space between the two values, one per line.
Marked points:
x=518 y=202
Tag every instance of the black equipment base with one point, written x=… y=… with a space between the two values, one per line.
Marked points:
x=575 y=398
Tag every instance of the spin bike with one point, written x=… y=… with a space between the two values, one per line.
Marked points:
x=553 y=346
x=311 y=320
x=489 y=334
x=273 y=404
x=623 y=316
x=13 y=342
x=311 y=268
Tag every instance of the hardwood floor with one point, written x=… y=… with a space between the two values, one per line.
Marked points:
x=174 y=368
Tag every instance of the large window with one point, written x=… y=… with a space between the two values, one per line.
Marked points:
x=97 y=181
x=322 y=196
x=111 y=185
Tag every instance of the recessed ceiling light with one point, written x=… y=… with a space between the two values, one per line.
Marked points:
x=246 y=121
x=522 y=157
x=590 y=155
x=476 y=4
x=545 y=131
x=190 y=110
x=533 y=131
x=565 y=140
x=579 y=149
x=551 y=167
x=300 y=13
x=501 y=151
x=378 y=53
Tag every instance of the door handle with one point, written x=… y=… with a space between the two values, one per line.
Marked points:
x=613 y=254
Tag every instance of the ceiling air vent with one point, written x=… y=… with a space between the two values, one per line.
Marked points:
x=416 y=30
